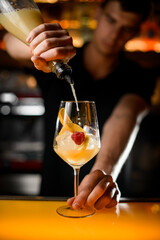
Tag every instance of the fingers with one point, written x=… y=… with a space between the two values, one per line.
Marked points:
x=40 y=64
x=109 y=199
x=70 y=201
x=112 y=203
x=42 y=28
x=46 y=41
x=99 y=190
x=58 y=53
x=86 y=187
x=96 y=190
x=51 y=42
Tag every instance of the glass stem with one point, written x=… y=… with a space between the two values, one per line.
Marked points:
x=76 y=181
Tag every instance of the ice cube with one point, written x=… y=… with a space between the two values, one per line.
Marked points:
x=90 y=130
x=91 y=141
x=64 y=140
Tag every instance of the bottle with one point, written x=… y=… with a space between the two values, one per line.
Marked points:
x=62 y=70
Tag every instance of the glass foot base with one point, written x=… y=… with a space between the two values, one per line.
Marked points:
x=66 y=211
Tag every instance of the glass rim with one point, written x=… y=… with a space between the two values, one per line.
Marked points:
x=79 y=101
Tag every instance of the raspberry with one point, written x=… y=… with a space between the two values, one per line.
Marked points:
x=78 y=137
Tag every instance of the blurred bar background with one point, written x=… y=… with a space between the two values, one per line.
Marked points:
x=22 y=110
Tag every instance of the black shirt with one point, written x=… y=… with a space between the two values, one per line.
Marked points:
x=129 y=77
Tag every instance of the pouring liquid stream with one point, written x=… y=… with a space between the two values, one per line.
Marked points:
x=75 y=98
x=74 y=95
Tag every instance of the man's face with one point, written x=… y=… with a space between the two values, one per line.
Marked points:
x=114 y=28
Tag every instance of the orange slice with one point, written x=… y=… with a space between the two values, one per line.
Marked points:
x=67 y=123
x=71 y=127
x=85 y=143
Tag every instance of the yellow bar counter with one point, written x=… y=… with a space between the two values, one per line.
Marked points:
x=35 y=218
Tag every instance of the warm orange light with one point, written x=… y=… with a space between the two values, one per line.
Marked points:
x=78 y=42
x=2 y=45
x=46 y=1
x=143 y=44
x=149 y=39
x=92 y=24
x=31 y=82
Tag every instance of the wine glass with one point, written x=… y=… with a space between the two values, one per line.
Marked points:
x=76 y=141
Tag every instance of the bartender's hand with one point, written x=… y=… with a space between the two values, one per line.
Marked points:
x=49 y=42
x=96 y=190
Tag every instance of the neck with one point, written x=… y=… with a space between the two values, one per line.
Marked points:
x=97 y=64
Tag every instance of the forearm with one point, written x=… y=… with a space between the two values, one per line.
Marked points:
x=114 y=140
x=17 y=49
x=47 y=42
x=119 y=130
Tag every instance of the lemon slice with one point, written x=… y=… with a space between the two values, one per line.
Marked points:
x=67 y=123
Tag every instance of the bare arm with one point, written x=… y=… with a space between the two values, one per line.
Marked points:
x=46 y=42
x=17 y=49
x=117 y=131
x=98 y=189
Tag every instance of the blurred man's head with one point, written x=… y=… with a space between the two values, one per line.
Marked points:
x=141 y=7
x=117 y=22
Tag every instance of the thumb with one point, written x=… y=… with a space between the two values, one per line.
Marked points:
x=40 y=64
x=70 y=201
